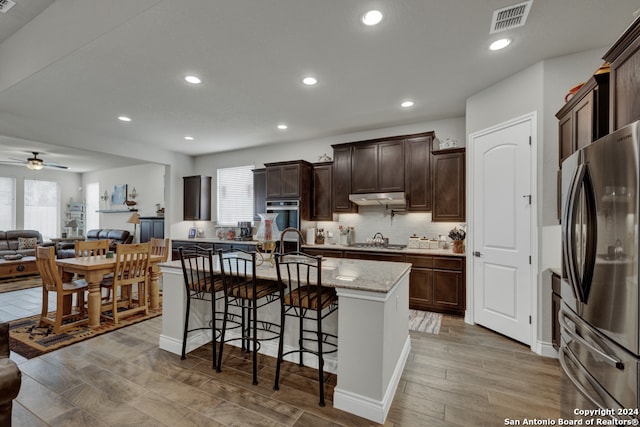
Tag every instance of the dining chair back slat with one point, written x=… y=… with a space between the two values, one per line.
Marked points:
x=160 y=247
x=85 y=248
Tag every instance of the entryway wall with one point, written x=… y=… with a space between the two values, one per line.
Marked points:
x=541 y=89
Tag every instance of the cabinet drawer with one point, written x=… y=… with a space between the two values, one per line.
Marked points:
x=328 y=253
x=419 y=261
x=448 y=263
x=373 y=256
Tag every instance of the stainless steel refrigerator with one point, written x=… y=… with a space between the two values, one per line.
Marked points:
x=600 y=343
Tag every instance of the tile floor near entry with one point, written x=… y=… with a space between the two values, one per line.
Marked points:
x=23 y=303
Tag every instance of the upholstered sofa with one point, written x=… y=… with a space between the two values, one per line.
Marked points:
x=67 y=249
x=13 y=242
x=10 y=377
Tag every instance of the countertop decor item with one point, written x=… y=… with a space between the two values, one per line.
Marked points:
x=457 y=235
x=268 y=234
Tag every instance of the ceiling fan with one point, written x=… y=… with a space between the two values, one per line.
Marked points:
x=35 y=163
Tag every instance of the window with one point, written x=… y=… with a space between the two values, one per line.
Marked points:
x=235 y=194
x=7 y=203
x=42 y=207
x=93 y=204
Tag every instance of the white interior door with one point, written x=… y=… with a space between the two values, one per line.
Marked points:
x=502 y=230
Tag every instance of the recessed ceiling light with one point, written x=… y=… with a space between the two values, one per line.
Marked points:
x=407 y=104
x=189 y=138
x=309 y=81
x=372 y=17
x=282 y=126
x=500 y=44
x=124 y=118
x=193 y=80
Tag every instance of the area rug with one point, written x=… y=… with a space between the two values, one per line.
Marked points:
x=425 y=321
x=19 y=283
x=29 y=340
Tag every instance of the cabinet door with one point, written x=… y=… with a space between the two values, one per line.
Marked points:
x=290 y=176
x=274 y=182
x=364 y=175
x=197 y=198
x=584 y=122
x=157 y=228
x=259 y=192
x=145 y=230
x=342 y=180
x=321 y=192
x=421 y=289
x=390 y=166
x=565 y=128
x=449 y=186
x=418 y=174
x=448 y=290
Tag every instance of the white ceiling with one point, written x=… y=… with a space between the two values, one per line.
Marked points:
x=69 y=68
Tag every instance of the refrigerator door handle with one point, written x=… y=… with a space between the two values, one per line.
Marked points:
x=568 y=224
x=562 y=319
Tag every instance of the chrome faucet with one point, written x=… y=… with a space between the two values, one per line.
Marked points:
x=378 y=238
x=285 y=231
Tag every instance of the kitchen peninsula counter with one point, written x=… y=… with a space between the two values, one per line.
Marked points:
x=372 y=324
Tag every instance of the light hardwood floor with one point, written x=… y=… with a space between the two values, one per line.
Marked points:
x=465 y=376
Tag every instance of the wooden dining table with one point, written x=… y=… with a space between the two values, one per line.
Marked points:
x=94 y=268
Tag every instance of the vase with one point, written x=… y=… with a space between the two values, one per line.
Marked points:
x=458 y=246
x=268 y=228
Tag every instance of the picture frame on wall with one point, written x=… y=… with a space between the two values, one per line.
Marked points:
x=192 y=233
x=119 y=195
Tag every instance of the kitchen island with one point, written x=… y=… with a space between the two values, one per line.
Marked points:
x=372 y=326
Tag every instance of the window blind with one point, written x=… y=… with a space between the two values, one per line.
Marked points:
x=7 y=203
x=235 y=194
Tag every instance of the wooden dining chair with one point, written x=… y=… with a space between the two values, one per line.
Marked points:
x=131 y=270
x=66 y=315
x=85 y=248
x=303 y=296
x=160 y=247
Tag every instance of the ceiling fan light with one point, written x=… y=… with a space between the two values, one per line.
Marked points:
x=35 y=164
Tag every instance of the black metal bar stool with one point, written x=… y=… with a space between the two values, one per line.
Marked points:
x=201 y=283
x=243 y=290
x=303 y=296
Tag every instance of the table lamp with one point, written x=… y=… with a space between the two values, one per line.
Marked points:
x=135 y=220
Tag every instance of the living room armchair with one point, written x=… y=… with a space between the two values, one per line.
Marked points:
x=10 y=377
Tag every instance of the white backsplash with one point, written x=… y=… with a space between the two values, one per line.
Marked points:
x=372 y=219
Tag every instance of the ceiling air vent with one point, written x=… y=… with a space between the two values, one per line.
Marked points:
x=510 y=17
x=5 y=5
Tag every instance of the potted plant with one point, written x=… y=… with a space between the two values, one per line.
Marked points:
x=457 y=235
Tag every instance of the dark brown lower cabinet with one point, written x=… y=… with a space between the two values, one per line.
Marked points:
x=436 y=282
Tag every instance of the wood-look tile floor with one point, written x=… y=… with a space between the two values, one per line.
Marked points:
x=465 y=376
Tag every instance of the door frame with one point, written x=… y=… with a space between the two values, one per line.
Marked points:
x=532 y=118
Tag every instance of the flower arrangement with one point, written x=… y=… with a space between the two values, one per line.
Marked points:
x=457 y=233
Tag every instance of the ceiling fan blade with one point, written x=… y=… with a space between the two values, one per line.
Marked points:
x=55 y=165
x=18 y=160
x=13 y=162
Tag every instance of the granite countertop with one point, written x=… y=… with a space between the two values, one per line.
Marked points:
x=216 y=240
x=338 y=247
x=372 y=276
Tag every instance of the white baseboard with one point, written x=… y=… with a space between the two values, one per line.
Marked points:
x=371 y=409
x=546 y=349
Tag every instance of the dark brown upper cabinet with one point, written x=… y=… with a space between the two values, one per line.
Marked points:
x=585 y=117
x=624 y=57
x=448 y=175
x=322 y=184
x=342 y=180
x=377 y=167
x=197 y=198
x=288 y=180
x=259 y=192
x=417 y=172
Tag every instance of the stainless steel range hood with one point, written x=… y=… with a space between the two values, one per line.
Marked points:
x=378 y=199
